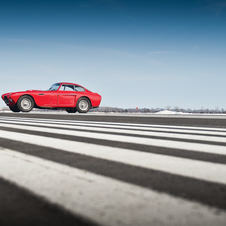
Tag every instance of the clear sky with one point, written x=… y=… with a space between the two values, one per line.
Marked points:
x=135 y=53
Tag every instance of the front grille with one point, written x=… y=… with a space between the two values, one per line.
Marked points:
x=6 y=99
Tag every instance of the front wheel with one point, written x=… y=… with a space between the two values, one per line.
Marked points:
x=83 y=105
x=25 y=103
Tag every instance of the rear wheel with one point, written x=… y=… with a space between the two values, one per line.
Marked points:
x=83 y=105
x=25 y=103
x=14 y=108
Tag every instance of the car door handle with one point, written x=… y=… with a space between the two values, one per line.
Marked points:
x=72 y=94
x=41 y=94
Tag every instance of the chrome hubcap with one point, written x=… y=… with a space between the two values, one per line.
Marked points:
x=83 y=105
x=26 y=104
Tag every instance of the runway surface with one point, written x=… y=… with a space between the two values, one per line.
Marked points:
x=74 y=169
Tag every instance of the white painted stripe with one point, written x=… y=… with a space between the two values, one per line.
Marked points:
x=197 y=147
x=129 y=132
x=101 y=125
x=187 y=129
x=146 y=128
x=207 y=171
x=100 y=199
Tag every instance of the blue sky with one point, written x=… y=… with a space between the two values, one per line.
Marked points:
x=135 y=53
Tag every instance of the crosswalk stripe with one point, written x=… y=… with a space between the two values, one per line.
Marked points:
x=100 y=198
x=197 y=147
x=212 y=172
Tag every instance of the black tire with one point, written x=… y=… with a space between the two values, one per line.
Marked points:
x=25 y=103
x=83 y=105
x=14 y=108
x=73 y=110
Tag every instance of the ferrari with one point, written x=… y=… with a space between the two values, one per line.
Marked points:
x=67 y=96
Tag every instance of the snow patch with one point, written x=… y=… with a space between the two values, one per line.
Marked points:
x=167 y=112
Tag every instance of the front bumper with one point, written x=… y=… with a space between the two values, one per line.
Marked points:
x=8 y=101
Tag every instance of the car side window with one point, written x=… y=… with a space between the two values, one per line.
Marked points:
x=79 y=88
x=65 y=87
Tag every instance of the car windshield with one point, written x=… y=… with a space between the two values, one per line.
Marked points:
x=54 y=86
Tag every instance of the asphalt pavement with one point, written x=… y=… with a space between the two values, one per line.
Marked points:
x=112 y=169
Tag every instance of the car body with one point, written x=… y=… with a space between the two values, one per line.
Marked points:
x=63 y=95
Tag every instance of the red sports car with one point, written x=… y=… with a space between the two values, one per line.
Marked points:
x=69 y=96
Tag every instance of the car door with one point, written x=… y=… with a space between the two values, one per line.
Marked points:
x=46 y=98
x=66 y=96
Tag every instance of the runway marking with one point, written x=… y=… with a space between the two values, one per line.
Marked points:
x=189 y=146
x=101 y=199
x=110 y=200
x=132 y=132
x=213 y=172
x=131 y=126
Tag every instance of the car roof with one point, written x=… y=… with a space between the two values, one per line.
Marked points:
x=68 y=83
